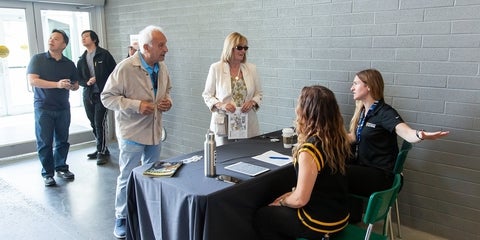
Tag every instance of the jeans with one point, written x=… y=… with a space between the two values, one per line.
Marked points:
x=131 y=155
x=97 y=114
x=52 y=127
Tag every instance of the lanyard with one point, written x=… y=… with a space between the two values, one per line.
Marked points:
x=361 y=123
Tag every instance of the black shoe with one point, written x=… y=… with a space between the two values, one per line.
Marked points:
x=92 y=155
x=66 y=174
x=49 y=181
x=102 y=158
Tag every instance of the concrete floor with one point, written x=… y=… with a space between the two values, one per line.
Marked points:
x=79 y=209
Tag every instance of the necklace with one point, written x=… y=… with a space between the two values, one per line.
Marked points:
x=238 y=74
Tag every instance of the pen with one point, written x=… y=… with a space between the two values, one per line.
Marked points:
x=285 y=158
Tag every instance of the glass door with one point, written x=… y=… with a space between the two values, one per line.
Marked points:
x=25 y=29
x=14 y=57
x=73 y=23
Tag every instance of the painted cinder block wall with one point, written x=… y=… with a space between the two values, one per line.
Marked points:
x=428 y=52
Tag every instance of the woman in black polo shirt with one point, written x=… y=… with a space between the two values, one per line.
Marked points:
x=373 y=133
x=318 y=205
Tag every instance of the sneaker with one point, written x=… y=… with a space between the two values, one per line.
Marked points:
x=49 y=181
x=102 y=159
x=66 y=174
x=92 y=155
x=120 y=230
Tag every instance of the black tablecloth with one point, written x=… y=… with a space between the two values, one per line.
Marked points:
x=192 y=206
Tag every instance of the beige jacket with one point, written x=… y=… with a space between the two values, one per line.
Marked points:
x=218 y=88
x=127 y=85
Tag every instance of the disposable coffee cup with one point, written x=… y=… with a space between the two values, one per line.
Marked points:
x=287 y=134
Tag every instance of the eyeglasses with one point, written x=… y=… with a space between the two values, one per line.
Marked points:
x=240 y=48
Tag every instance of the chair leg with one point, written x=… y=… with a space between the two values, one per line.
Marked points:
x=399 y=231
x=390 y=225
x=369 y=231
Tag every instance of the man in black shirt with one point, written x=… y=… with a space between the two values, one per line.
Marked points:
x=94 y=66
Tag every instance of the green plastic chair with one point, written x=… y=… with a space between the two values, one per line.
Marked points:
x=398 y=169
x=378 y=209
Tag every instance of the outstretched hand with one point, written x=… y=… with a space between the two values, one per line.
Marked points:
x=433 y=135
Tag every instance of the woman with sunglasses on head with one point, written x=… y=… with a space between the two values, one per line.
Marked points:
x=373 y=133
x=317 y=207
x=233 y=83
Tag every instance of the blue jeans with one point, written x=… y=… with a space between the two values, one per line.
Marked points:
x=131 y=155
x=52 y=127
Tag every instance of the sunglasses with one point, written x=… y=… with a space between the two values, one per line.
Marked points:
x=240 y=48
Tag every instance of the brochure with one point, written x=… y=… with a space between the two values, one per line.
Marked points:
x=237 y=124
x=163 y=169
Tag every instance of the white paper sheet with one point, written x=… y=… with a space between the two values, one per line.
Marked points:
x=274 y=158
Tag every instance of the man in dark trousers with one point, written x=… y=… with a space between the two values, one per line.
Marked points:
x=94 y=66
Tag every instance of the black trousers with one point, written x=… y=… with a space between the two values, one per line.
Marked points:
x=363 y=181
x=281 y=223
x=97 y=114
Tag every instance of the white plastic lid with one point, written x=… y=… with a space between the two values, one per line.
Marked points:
x=287 y=131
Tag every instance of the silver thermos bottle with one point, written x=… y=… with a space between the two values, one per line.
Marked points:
x=210 y=154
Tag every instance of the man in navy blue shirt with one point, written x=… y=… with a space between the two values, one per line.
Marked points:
x=52 y=77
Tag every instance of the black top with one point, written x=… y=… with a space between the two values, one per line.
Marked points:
x=327 y=210
x=378 y=145
x=103 y=64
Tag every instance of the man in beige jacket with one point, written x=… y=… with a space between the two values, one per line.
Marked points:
x=138 y=90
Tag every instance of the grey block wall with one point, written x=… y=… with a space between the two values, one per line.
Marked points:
x=428 y=52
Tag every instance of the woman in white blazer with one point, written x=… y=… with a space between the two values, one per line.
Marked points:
x=232 y=83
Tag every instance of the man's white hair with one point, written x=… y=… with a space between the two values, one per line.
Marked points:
x=145 y=36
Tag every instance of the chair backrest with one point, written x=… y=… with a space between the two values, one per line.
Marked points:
x=402 y=156
x=379 y=204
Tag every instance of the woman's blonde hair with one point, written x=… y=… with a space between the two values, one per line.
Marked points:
x=318 y=114
x=374 y=80
x=231 y=41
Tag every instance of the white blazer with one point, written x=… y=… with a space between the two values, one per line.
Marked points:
x=218 y=89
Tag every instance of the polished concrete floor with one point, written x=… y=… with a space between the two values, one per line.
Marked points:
x=78 y=209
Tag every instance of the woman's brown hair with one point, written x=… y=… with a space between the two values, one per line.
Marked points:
x=318 y=114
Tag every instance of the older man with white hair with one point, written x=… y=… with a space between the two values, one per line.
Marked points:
x=138 y=90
